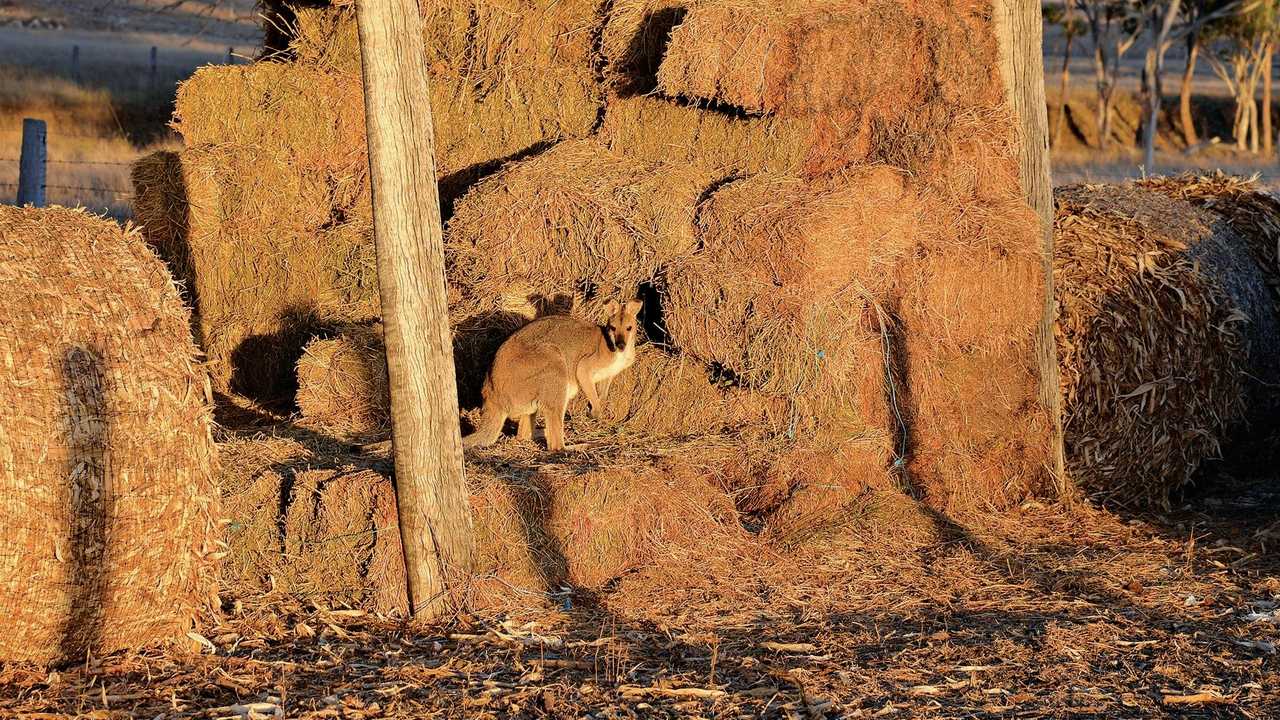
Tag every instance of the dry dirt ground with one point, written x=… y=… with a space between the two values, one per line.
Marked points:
x=1046 y=612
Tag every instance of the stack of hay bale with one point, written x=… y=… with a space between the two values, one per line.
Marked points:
x=818 y=200
x=107 y=464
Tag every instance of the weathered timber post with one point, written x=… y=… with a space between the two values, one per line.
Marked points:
x=1020 y=33
x=32 y=163
x=435 y=518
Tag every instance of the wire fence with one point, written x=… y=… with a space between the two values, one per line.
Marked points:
x=8 y=190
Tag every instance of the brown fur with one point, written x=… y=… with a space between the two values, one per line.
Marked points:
x=545 y=364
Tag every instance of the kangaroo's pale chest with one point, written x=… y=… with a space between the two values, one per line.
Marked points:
x=621 y=361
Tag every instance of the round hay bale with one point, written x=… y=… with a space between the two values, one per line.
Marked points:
x=1163 y=314
x=342 y=384
x=107 y=465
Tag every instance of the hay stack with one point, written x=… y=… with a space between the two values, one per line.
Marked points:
x=575 y=219
x=330 y=532
x=262 y=280
x=1163 y=314
x=107 y=465
x=782 y=294
x=342 y=384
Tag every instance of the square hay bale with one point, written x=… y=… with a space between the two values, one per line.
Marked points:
x=264 y=262
x=798 y=58
x=882 y=80
x=575 y=219
x=108 y=493
x=317 y=118
x=485 y=40
x=979 y=436
x=633 y=41
x=537 y=525
x=654 y=129
x=784 y=291
x=975 y=297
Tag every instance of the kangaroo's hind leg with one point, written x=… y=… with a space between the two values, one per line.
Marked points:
x=554 y=403
x=524 y=428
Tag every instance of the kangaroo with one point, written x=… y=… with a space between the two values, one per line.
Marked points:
x=545 y=364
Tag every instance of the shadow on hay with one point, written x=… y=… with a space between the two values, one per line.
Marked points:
x=89 y=498
x=456 y=184
x=172 y=242
x=644 y=53
x=263 y=366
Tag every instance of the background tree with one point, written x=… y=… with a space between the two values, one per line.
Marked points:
x=1072 y=27
x=1238 y=49
x=1114 y=26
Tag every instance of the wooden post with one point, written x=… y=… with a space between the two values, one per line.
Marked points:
x=435 y=517
x=231 y=56
x=32 y=163
x=75 y=63
x=1020 y=33
x=154 y=64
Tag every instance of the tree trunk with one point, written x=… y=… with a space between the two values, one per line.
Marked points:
x=1184 y=101
x=1063 y=88
x=435 y=518
x=1253 y=121
x=1100 y=74
x=1019 y=31
x=1154 y=69
x=1266 y=101
x=1104 y=118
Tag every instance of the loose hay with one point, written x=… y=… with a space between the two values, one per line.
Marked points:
x=107 y=465
x=343 y=388
x=1162 y=312
x=575 y=219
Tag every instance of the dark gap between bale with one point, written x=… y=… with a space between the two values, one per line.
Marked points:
x=633 y=41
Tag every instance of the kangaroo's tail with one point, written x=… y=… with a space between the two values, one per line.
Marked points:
x=489 y=430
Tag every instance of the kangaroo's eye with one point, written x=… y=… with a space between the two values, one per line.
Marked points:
x=629 y=328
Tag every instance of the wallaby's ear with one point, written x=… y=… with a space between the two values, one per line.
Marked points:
x=634 y=307
x=611 y=309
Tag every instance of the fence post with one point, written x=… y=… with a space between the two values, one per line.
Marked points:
x=75 y=63
x=31 y=164
x=153 y=67
x=231 y=60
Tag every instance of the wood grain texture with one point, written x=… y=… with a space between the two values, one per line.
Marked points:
x=1019 y=31
x=435 y=518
